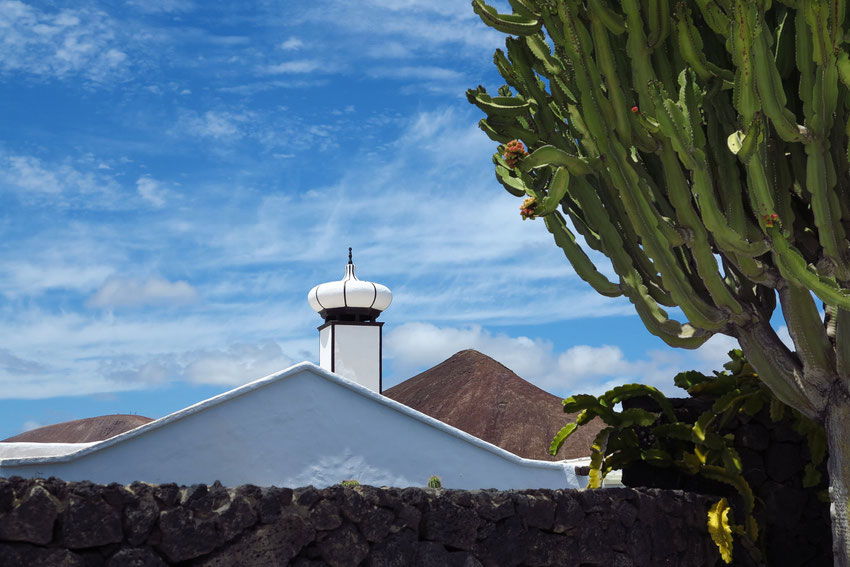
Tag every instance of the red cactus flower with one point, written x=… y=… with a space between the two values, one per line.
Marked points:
x=634 y=109
x=770 y=220
x=514 y=150
x=526 y=211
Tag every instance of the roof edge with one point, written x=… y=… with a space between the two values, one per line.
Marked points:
x=275 y=377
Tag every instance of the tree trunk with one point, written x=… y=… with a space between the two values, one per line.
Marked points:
x=838 y=440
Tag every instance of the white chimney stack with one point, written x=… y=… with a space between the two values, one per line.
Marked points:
x=350 y=339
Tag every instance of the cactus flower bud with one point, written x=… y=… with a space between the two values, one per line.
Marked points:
x=513 y=151
x=526 y=211
x=635 y=109
x=770 y=220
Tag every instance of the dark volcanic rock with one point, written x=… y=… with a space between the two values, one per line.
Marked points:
x=32 y=520
x=344 y=547
x=135 y=557
x=90 y=523
x=149 y=526
x=184 y=535
x=26 y=555
x=268 y=544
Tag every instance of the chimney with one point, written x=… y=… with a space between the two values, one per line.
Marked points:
x=350 y=338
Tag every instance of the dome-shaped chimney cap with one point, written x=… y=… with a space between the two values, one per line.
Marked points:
x=349 y=299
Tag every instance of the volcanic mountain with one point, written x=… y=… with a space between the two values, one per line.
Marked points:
x=81 y=430
x=476 y=394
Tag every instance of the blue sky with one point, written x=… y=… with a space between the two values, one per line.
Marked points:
x=175 y=175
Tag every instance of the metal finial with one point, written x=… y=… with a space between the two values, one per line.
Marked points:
x=349 y=256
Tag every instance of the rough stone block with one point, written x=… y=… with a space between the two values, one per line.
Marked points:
x=235 y=517
x=272 y=500
x=536 y=511
x=396 y=550
x=135 y=557
x=375 y=525
x=268 y=544
x=185 y=536
x=140 y=518
x=26 y=555
x=90 y=522
x=344 y=547
x=33 y=518
x=448 y=523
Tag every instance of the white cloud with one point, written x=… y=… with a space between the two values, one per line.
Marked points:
x=292 y=43
x=63 y=183
x=16 y=365
x=299 y=66
x=586 y=360
x=125 y=292
x=237 y=365
x=420 y=73
x=427 y=27
x=151 y=190
x=216 y=124
x=389 y=50
x=69 y=42
x=165 y=6
x=28 y=278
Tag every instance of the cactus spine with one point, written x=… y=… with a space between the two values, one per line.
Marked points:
x=702 y=146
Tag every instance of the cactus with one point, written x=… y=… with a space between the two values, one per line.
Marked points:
x=702 y=147
x=435 y=482
x=350 y=483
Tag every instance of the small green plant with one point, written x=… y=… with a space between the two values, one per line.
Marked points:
x=350 y=483
x=435 y=482
x=702 y=447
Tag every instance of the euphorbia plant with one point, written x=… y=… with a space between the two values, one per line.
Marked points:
x=702 y=147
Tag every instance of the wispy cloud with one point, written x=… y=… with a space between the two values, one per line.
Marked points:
x=59 y=184
x=125 y=292
x=16 y=365
x=422 y=72
x=165 y=6
x=216 y=124
x=151 y=191
x=233 y=365
x=291 y=44
x=69 y=42
x=299 y=66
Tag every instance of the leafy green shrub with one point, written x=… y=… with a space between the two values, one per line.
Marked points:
x=662 y=439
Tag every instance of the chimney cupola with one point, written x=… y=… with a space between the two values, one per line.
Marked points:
x=350 y=342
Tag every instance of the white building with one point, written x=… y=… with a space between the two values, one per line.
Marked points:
x=303 y=425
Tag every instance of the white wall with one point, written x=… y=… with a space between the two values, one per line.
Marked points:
x=358 y=354
x=353 y=352
x=302 y=426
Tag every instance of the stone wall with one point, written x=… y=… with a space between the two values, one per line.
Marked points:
x=54 y=523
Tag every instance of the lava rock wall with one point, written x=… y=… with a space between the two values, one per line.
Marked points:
x=51 y=522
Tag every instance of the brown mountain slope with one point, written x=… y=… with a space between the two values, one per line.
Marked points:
x=476 y=394
x=81 y=430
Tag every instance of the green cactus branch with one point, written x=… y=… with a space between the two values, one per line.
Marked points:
x=666 y=185
x=701 y=146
